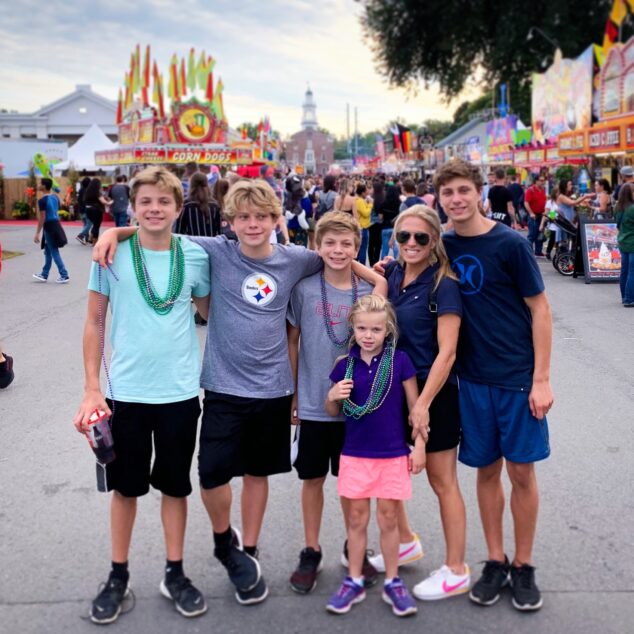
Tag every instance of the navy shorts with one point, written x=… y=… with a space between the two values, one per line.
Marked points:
x=320 y=445
x=496 y=423
x=169 y=429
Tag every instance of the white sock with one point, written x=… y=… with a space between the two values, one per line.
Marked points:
x=358 y=580
x=388 y=581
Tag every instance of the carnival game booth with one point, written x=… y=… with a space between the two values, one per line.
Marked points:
x=193 y=128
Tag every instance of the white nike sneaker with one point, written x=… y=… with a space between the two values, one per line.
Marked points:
x=442 y=584
x=407 y=554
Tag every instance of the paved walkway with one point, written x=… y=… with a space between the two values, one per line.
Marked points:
x=54 y=526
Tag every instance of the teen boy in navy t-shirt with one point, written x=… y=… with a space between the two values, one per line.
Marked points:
x=504 y=365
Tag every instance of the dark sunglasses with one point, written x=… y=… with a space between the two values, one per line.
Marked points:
x=421 y=238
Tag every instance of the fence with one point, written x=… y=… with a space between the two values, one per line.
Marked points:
x=14 y=188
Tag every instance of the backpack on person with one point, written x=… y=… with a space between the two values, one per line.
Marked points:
x=326 y=203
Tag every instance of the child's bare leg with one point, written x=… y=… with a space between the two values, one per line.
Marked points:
x=122 y=516
x=174 y=518
x=345 y=511
x=255 y=494
x=405 y=532
x=387 y=517
x=312 y=509
x=358 y=519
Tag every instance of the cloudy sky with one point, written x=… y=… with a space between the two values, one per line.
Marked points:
x=266 y=52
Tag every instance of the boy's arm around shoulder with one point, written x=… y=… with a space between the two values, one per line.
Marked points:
x=103 y=252
x=93 y=398
x=372 y=277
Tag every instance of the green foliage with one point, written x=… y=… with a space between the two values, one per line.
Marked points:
x=564 y=172
x=31 y=179
x=64 y=214
x=21 y=210
x=449 y=42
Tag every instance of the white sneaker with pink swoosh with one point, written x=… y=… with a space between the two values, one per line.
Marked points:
x=407 y=554
x=442 y=584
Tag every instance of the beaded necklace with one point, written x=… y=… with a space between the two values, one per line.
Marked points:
x=380 y=386
x=160 y=305
x=340 y=343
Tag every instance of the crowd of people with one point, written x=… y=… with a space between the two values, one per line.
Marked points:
x=366 y=363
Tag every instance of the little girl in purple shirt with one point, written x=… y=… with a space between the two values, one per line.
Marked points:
x=372 y=384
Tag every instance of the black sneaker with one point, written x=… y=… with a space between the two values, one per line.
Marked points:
x=369 y=572
x=244 y=570
x=6 y=373
x=304 y=579
x=526 y=594
x=255 y=595
x=495 y=576
x=106 y=606
x=188 y=600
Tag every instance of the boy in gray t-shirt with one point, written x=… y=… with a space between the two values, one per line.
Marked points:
x=318 y=313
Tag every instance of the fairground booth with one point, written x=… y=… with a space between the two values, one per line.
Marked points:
x=192 y=126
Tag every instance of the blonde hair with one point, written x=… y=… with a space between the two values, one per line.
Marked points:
x=438 y=253
x=162 y=178
x=375 y=304
x=337 y=222
x=256 y=194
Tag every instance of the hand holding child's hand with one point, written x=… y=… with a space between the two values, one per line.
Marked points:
x=419 y=419
x=294 y=415
x=417 y=459
x=341 y=391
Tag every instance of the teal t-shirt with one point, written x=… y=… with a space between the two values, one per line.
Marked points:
x=155 y=358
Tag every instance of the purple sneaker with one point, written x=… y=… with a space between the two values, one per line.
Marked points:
x=397 y=595
x=348 y=594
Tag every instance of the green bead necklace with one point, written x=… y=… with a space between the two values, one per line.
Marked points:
x=160 y=305
x=380 y=386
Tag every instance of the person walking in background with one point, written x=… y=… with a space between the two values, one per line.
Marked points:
x=374 y=233
x=53 y=237
x=517 y=196
x=387 y=215
x=602 y=202
x=95 y=204
x=82 y=236
x=197 y=218
x=190 y=169
x=625 y=224
x=363 y=207
x=499 y=204
x=547 y=223
x=535 y=204
x=120 y=196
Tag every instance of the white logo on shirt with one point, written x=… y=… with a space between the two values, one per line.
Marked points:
x=259 y=289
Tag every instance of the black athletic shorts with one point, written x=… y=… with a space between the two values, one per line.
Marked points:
x=241 y=436
x=444 y=418
x=320 y=445
x=171 y=428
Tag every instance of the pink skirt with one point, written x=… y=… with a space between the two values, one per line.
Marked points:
x=384 y=478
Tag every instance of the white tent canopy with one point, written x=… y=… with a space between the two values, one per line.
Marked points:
x=81 y=155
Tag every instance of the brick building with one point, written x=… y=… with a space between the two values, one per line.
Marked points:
x=310 y=148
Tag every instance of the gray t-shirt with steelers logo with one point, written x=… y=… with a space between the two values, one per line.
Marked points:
x=246 y=352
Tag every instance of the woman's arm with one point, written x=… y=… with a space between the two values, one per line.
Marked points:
x=447 y=334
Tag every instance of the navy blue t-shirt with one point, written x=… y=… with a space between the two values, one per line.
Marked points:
x=416 y=325
x=496 y=271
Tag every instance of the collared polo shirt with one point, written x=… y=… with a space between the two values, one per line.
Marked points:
x=416 y=325
x=379 y=434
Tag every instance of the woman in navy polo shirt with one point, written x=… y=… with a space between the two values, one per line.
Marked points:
x=420 y=283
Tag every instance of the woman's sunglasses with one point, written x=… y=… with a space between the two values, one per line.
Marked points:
x=421 y=238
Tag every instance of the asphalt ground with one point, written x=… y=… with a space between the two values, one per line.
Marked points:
x=54 y=534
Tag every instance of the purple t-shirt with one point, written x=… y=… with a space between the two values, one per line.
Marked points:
x=380 y=434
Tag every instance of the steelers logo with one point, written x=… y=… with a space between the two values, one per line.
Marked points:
x=259 y=289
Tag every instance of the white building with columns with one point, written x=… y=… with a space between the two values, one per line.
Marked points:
x=66 y=119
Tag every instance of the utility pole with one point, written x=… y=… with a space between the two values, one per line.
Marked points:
x=356 y=132
x=348 y=128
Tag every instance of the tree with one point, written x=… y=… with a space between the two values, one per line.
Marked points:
x=452 y=42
